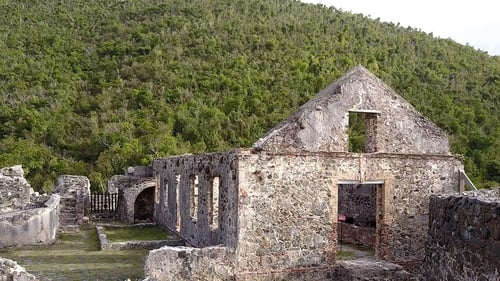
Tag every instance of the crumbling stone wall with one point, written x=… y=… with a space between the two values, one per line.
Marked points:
x=187 y=202
x=75 y=194
x=26 y=218
x=32 y=226
x=464 y=237
x=15 y=191
x=140 y=171
x=288 y=206
x=11 y=271
x=186 y=264
x=286 y=215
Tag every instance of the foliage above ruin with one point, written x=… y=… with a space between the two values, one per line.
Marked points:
x=90 y=87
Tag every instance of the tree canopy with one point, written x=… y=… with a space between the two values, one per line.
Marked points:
x=91 y=87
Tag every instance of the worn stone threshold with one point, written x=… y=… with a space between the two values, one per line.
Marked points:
x=367 y=268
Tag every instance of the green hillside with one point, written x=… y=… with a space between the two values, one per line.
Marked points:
x=91 y=87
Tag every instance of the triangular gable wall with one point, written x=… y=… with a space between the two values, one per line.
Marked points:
x=321 y=125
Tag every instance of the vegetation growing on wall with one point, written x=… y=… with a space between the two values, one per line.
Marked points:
x=90 y=87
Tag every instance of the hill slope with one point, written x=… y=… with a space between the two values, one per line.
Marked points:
x=89 y=87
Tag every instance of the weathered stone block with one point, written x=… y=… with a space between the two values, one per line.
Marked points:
x=186 y=264
x=11 y=271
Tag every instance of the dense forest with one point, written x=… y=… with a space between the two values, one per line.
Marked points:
x=91 y=87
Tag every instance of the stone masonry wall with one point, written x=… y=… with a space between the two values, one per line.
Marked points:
x=285 y=216
x=464 y=237
x=15 y=191
x=187 y=264
x=190 y=203
x=30 y=227
x=288 y=206
x=409 y=182
x=11 y=271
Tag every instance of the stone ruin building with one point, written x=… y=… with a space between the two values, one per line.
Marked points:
x=26 y=218
x=280 y=209
x=272 y=212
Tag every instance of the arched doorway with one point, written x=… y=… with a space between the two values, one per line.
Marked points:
x=144 y=205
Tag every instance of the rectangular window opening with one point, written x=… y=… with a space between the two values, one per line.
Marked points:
x=213 y=212
x=362 y=131
x=193 y=197
x=177 y=202
x=165 y=191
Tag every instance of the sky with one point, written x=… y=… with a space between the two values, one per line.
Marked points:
x=476 y=23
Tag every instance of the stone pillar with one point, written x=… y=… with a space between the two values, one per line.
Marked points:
x=370 y=132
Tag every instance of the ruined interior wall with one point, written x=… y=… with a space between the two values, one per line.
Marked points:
x=288 y=206
x=30 y=227
x=187 y=264
x=464 y=237
x=174 y=208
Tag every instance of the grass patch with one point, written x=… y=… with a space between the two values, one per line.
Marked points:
x=345 y=255
x=76 y=256
x=135 y=233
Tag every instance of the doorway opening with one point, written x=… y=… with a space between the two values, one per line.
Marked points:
x=144 y=205
x=357 y=210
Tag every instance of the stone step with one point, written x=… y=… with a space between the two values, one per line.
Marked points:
x=370 y=269
x=69 y=228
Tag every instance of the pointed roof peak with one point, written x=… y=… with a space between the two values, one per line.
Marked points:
x=321 y=124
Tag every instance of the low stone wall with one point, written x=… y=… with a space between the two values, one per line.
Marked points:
x=30 y=227
x=11 y=271
x=184 y=263
x=464 y=237
x=350 y=233
x=152 y=244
